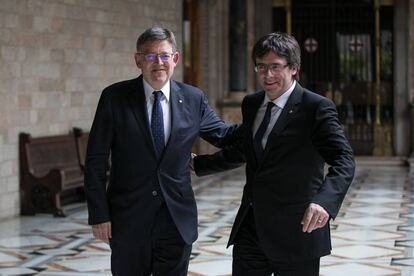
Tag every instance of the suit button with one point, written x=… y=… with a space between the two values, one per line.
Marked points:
x=154 y=193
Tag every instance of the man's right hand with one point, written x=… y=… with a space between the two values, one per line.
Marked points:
x=102 y=231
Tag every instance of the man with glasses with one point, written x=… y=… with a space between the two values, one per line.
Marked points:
x=282 y=226
x=147 y=126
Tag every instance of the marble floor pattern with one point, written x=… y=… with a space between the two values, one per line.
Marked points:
x=373 y=234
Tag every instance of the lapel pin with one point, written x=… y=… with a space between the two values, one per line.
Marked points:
x=290 y=111
x=180 y=101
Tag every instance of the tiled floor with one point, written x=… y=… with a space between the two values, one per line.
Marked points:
x=373 y=234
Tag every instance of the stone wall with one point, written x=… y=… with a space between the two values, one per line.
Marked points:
x=55 y=58
x=411 y=51
x=410 y=76
x=214 y=55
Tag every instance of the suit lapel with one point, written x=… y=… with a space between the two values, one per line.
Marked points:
x=287 y=114
x=177 y=107
x=139 y=108
x=255 y=103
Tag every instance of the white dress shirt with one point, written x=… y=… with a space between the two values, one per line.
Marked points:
x=165 y=104
x=276 y=111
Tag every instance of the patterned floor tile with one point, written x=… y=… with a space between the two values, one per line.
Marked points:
x=357 y=269
x=86 y=264
x=9 y=257
x=403 y=261
x=370 y=221
x=379 y=210
x=27 y=241
x=367 y=235
x=359 y=252
x=372 y=235
x=210 y=268
x=17 y=271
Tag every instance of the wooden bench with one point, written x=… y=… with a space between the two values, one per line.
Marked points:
x=49 y=171
x=81 y=140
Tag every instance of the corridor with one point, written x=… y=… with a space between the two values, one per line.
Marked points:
x=373 y=234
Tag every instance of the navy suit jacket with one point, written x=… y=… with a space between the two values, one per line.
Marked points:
x=138 y=182
x=290 y=174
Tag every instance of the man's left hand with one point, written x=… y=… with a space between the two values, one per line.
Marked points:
x=315 y=217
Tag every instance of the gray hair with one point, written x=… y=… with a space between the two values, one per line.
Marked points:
x=156 y=34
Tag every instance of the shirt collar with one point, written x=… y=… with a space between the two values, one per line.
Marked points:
x=148 y=90
x=282 y=100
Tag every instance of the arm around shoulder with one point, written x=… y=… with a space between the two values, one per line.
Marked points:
x=228 y=158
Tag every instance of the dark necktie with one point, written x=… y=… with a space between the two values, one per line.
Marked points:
x=157 y=124
x=257 y=140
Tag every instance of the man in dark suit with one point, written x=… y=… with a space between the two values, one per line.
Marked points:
x=289 y=133
x=147 y=126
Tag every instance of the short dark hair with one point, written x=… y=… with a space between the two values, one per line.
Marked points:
x=283 y=45
x=156 y=34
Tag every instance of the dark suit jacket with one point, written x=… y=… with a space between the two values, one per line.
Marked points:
x=290 y=174
x=138 y=182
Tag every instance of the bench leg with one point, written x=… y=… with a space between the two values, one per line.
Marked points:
x=27 y=208
x=58 y=207
x=59 y=213
x=27 y=211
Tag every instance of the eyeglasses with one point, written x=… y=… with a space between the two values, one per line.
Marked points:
x=274 y=67
x=151 y=57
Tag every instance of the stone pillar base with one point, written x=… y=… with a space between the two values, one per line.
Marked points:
x=410 y=161
x=231 y=107
x=382 y=140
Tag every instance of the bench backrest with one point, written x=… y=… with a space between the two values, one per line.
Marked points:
x=81 y=139
x=45 y=153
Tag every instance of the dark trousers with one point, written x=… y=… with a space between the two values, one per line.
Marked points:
x=250 y=260
x=165 y=254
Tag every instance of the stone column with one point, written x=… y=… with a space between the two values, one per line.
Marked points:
x=262 y=24
x=238 y=45
x=237 y=56
x=401 y=79
x=410 y=71
x=248 y=20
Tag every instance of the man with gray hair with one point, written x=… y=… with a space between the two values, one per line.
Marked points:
x=147 y=126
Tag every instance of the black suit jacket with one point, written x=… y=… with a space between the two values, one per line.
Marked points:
x=290 y=174
x=138 y=181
